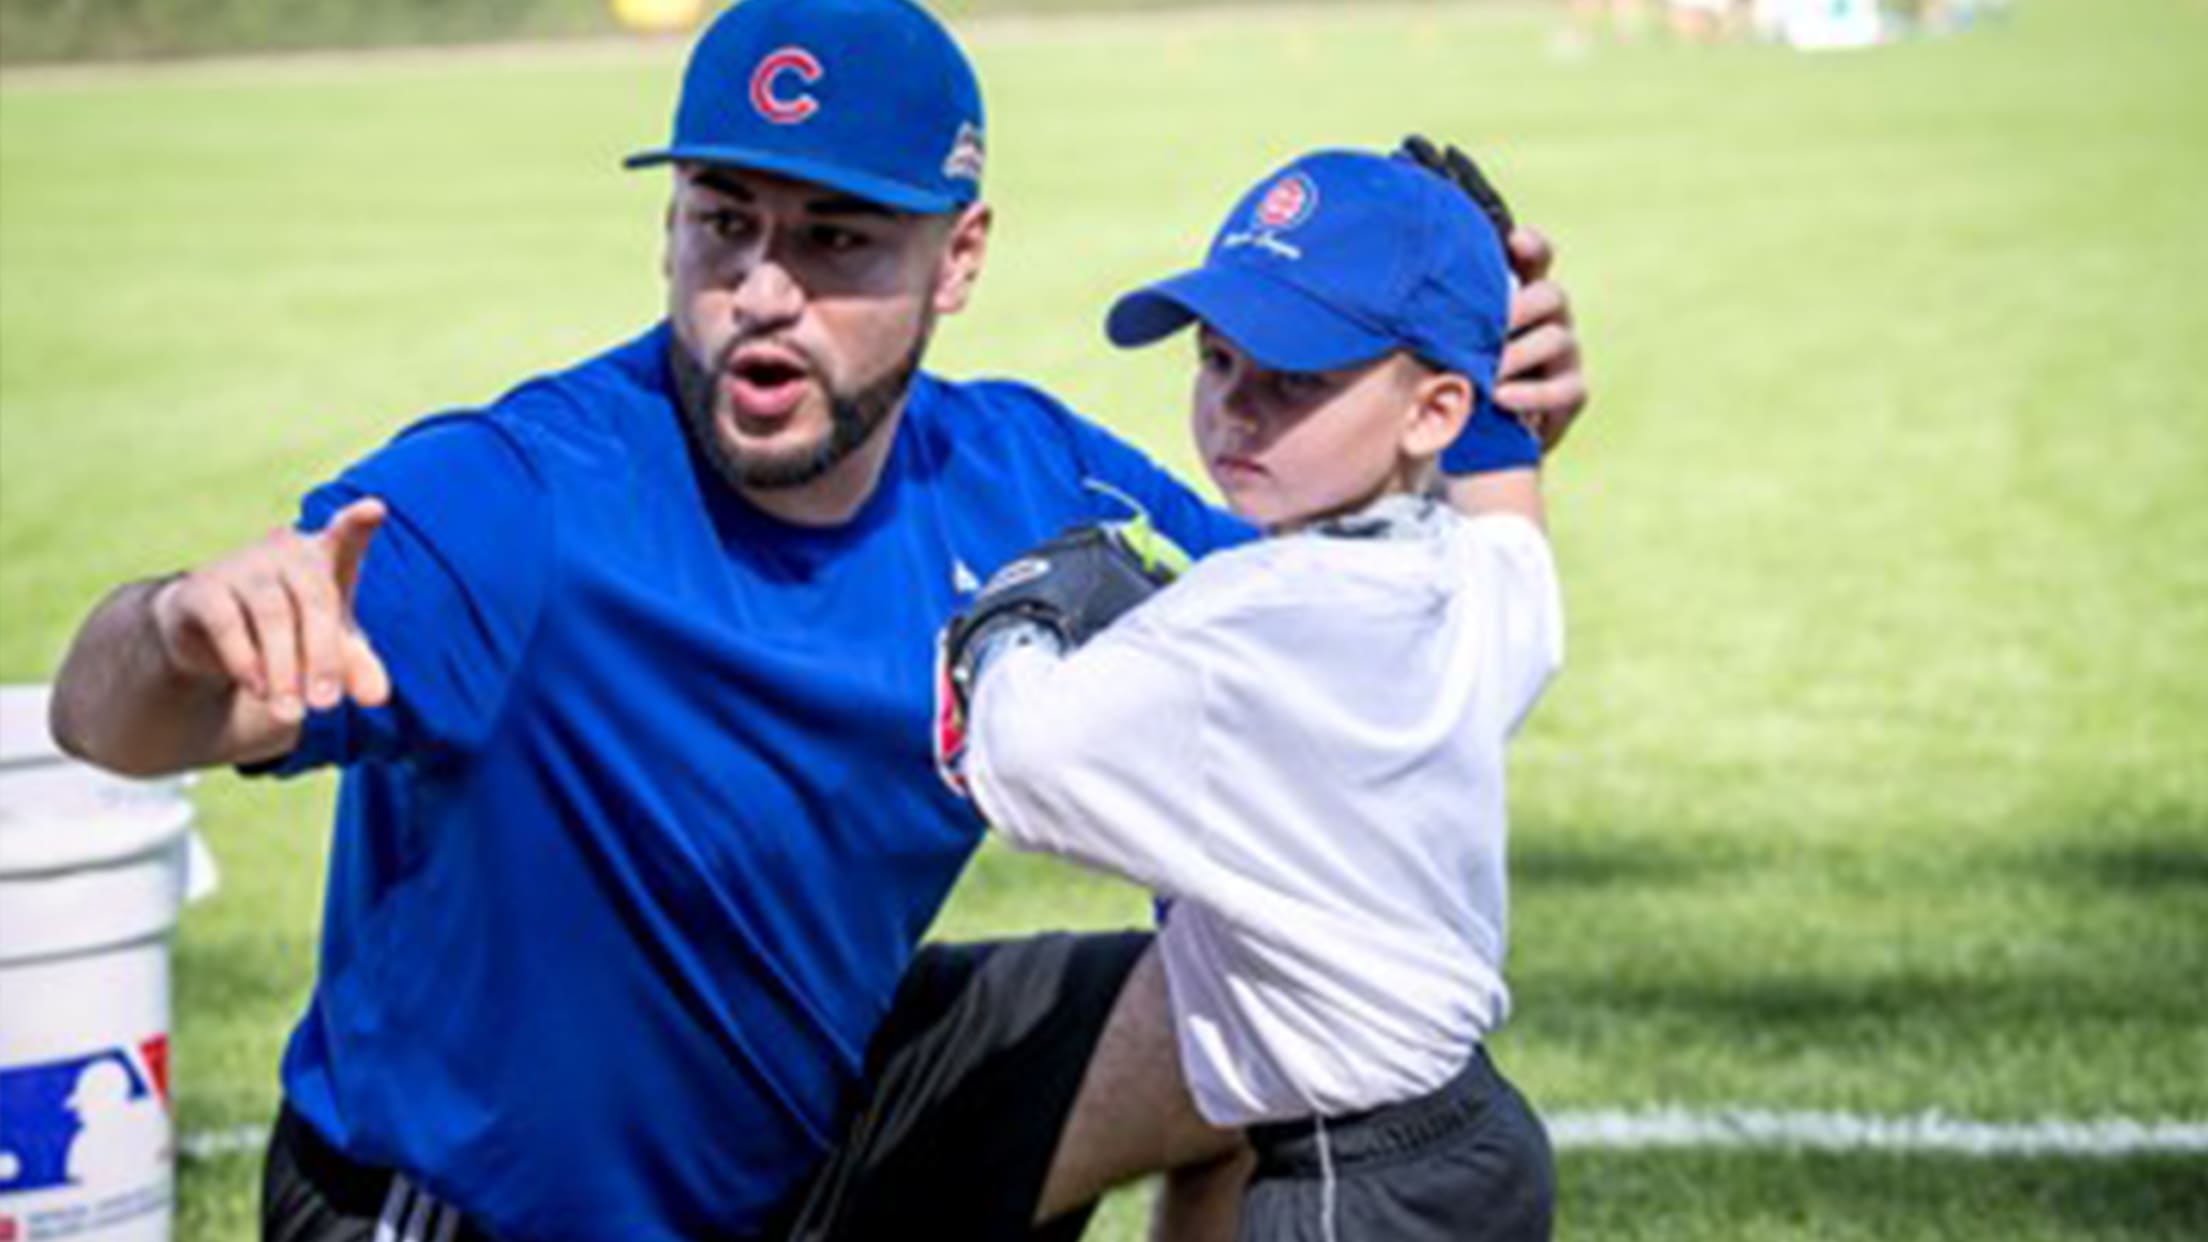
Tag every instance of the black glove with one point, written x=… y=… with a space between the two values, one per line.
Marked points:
x=1069 y=587
x=1457 y=168
x=1072 y=585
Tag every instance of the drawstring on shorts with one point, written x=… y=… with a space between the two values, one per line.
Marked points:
x=1323 y=1149
x=1326 y=1183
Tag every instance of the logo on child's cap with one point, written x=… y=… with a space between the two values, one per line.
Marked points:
x=1289 y=202
x=765 y=97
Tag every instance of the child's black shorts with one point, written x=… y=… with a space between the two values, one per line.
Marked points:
x=1468 y=1163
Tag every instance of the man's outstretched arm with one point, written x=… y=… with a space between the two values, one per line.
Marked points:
x=220 y=665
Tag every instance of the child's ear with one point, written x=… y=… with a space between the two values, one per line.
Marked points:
x=1441 y=403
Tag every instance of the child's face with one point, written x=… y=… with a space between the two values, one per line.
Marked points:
x=1289 y=447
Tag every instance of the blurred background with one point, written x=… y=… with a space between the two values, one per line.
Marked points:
x=1875 y=794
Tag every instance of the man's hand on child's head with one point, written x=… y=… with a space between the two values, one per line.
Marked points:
x=1539 y=380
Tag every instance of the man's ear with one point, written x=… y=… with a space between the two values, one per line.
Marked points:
x=667 y=222
x=667 y=238
x=1441 y=403
x=963 y=252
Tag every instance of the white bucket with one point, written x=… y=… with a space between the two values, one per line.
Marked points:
x=1833 y=25
x=93 y=869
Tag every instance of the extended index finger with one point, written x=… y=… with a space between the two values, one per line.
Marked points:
x=345 y=540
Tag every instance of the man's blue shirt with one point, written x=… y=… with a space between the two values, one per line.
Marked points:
x=627 y=873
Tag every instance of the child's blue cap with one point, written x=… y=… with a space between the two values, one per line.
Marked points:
x=1338 y=259
x=870 y=97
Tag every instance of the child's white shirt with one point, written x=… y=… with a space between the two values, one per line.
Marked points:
x=1301 y=744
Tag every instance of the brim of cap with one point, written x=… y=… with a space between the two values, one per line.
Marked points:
x=1274 y=322
x=891 y=194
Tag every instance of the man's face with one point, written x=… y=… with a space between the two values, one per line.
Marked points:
x=1290 y=447
x=801 y=313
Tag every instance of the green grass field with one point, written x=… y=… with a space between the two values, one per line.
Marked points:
x=1879 y=777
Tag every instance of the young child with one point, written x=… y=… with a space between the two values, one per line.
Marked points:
x=1300 y=742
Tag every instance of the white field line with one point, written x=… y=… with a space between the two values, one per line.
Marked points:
x=216 y=1144
x=1755 y=1129
x=1927 y=1132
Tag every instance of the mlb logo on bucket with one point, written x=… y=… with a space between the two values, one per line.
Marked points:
x=93 y=1119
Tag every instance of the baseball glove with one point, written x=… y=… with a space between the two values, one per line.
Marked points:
x=1457 y=168
x=1062 y=591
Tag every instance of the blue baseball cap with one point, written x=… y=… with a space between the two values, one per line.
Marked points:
x=1338 y=259
x=870 y=97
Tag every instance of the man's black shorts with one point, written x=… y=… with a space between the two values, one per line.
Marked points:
x=968 y=1085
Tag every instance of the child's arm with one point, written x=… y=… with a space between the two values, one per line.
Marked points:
x=1494 y=464
x=1519 y=619
x=1515 y=491
x=1073 y=730
x=1092 y=754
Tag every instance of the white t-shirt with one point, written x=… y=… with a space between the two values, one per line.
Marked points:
x=1301 y=743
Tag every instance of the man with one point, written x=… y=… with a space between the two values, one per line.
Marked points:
x=630 y=675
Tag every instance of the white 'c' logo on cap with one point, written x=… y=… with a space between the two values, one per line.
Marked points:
x=785 y=109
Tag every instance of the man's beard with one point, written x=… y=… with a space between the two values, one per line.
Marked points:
x=853 y=418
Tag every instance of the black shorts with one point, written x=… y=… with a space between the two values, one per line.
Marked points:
x=312 y=1192
x=968 y=1085
x=1467 y=1163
